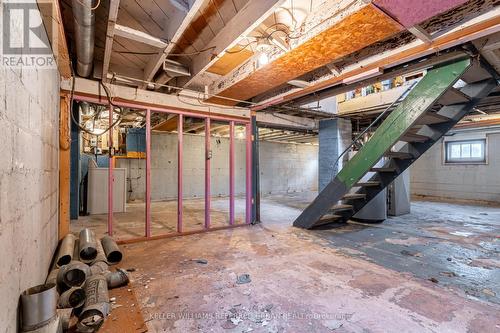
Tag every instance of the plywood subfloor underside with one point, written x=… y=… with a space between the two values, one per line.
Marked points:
x=410 y=13
x=362 y=28
x=354 y=278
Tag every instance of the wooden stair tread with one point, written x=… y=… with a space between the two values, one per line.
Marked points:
x=412 y=137
x=453 y=96
x=399 y=155
x=352 y=196
x=384 y=169
x=432 y=118
x=368 y=183
x=326 y=219
x=341 y=207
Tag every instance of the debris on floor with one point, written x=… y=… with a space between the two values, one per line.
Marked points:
x=79 y=284
x=243 y=278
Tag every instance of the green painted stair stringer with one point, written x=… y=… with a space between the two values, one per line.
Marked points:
x=430 y=88
x=422 y=97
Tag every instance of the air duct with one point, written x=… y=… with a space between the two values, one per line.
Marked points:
x=171 y=69
x=84 y=25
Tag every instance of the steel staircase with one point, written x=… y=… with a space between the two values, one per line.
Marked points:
x=430 y=109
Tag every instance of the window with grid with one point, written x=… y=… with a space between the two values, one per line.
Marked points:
x=467 y=151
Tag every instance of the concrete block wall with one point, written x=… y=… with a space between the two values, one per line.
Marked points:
x=475 y=182
x=284 y=168
x=288 y=167
x=29 y=146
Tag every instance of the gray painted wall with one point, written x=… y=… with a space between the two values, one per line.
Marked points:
x=29 y=136
x=284 y=167
x=430 y=177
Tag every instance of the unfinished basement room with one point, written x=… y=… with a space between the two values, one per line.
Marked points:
x=266 y=166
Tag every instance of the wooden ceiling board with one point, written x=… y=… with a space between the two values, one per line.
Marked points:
x=356 y=31
x=126 y=19
x=239 y=4
x=168 y=125
x=410 y=13
x=226 y=9
x=230 y=61
x=147 y=21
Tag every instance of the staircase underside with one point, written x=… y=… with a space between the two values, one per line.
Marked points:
x=430 y=110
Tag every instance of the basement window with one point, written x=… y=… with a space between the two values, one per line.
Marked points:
x=467 y=151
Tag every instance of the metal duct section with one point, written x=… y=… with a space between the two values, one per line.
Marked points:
x=171 y=69
x=84 y=24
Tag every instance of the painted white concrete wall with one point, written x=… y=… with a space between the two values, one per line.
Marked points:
x=284 y=168
x=29 y=146
x=431 y=177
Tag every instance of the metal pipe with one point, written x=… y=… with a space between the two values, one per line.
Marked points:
x=231 y=173
x=208 y=156
x=65 y=318
x=84 y=25
x=71 y=298
x=52 y=277
x=73 y=274
x=101 y=255
x=117 y=278
x=39 y=305
x=111 y=250
x=96 y=307
x=110 y=173
x=148 y=176
x=248 y=171
x=65 y=253
x=179 y=171
x=99 y=267
x=87 y=245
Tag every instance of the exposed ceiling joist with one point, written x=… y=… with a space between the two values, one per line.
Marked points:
x=154 y=64
x=246 y=20
x=180 y=4
x=325 y=41
x=110 y=34
x=138 y=36
x=421 y=34
x=483 y=25
x=53 y=22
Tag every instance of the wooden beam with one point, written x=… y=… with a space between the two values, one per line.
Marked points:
x=138 y=36
x=478 y=27
x=421 y=34
x=244 y=22
x=52 y=20
x=333 y=39
x=154 y=64
x=186 y=101
x=110 y=34
x=64 y=165
x=180 y=4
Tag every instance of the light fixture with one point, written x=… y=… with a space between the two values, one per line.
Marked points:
x=262 y=48
x=263 y=59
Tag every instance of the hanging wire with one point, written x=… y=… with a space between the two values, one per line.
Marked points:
x=89 y=7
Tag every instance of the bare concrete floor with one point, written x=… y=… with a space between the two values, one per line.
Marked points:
x=131 y=224
x=435 y=270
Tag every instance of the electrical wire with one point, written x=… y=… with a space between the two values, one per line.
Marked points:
x=89 y=7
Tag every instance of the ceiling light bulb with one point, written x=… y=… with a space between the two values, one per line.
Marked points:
x=263 y=59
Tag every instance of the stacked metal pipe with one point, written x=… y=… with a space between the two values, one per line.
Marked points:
x=77 y=286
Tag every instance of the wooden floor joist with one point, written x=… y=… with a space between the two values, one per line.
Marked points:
x=354 y=32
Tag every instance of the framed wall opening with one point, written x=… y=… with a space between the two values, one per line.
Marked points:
x=189 y=173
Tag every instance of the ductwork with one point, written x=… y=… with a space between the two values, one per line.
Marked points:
x=84 y=25
x=171 y=69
